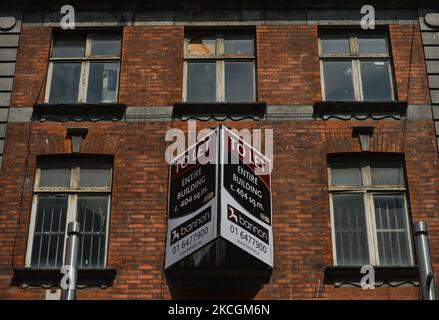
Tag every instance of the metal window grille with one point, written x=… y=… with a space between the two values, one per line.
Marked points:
x=369 y=212
x=65 y=191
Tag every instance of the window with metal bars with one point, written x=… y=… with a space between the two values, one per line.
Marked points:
x=356 y=66
x=84 y=68
x=65 y=191
x=369 y=212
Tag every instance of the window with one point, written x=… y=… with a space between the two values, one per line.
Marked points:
x=219 y=67
x=370 y=222
x=356 y=66
x=84 y=68
x=65 y=191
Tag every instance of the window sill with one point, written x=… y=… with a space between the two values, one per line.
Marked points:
x=219 y=110
x=50 y=278
x=392 y=276
x=79 y=112
x=360 y=109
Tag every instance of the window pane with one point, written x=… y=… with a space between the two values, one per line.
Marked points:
x=334 y=44
x=390 y=217
x=54 y=176
x=372 y=43
x=238 y=44
x=92 y=214
x=346 y=173
x=376 y=80
x=199 y=45
x=201 y=81
x=338 y=81
x=65 y=83
x=387 y=173
x=94 y=177
x=50 y=222
x=350 y=229
x=105 y=45
x=102 y=82
x=68 y=47
x=239 y=81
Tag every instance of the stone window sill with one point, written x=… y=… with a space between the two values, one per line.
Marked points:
x=351 y=275
x=78 y=111
x=217 y=110
x=360 y=109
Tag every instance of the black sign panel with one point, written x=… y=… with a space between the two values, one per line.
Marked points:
x=249 y=190
x=192 y=183
x=192 y=189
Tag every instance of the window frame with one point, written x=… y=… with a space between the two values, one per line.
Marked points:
x=73 y=191
x=369 y=191
x=355 y=57
x=85 y=62
x=220 y=58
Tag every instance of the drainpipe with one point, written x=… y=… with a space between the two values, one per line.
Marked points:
x=71 y=261
x=426 y=275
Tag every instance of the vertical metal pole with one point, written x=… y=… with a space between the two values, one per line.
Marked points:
x=426 y=275
x=71 y=259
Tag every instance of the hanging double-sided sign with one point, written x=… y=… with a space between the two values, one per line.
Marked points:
x=220 y=187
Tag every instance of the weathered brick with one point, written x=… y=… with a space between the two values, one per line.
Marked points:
x=31 y=67
x=151 y=75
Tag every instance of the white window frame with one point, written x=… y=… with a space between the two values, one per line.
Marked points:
x=220 y=58
x=355 y=58
x=368 y=191
x=72 y=192
x=85 y=65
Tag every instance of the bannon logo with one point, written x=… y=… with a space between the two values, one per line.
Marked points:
x=247 y=224
x=190 y=226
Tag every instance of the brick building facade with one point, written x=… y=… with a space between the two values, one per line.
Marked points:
x=310 y=131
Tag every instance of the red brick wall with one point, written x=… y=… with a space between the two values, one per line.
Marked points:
x=152 y=66
x=32 y=62
x=409 y=65
x=289 y=68
x=288 y=65
x=151 y=74
x=301 y=218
